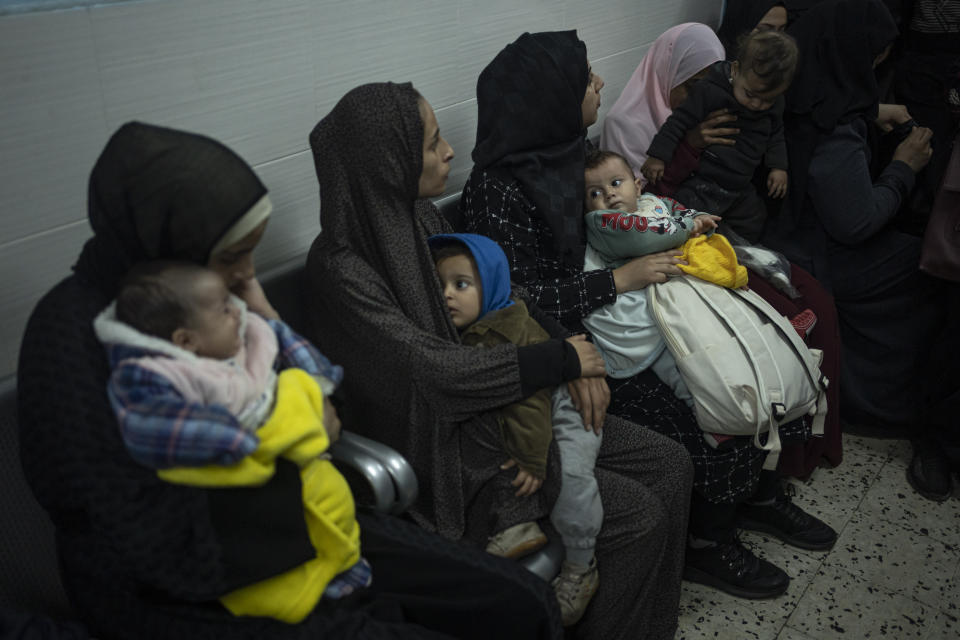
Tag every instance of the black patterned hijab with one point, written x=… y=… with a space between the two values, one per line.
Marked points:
x=530 y=129
x=835 y=82
x=161 y=193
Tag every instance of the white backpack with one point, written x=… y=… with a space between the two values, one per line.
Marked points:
x=745 y=365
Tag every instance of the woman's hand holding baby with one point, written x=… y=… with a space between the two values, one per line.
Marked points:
x=331 y=421
x=652 y=169
x=591 y=363
x=710 y=132
x=251 y=292
x=591 y=397
x=590 y=393
x=640 y=272
x=777 y=183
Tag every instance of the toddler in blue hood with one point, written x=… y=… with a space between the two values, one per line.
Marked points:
x=475 y=280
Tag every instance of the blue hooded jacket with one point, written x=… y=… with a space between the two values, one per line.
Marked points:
x=525 y=426
x=491 y=264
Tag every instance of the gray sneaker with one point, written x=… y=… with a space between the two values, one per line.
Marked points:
x=574 y=586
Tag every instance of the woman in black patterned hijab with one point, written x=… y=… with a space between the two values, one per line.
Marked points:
x=535 y=101
x=524 y=131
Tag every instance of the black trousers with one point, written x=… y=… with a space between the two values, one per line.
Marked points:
x=424 y=587
x=716 y=521
x=427 y=587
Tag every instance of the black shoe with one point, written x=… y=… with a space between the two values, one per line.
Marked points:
x=929 y=471
x=787 y=521
x=734 y=569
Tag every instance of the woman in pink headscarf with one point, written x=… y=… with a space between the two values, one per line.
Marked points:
x=676 y=60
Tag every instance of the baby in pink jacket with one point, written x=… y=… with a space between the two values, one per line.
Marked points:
x=194 y=375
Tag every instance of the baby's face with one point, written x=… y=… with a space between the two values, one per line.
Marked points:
x=611 y=186
x=215 y=320
x=750 y=92
x=461 y=289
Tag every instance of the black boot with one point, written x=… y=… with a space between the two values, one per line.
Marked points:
x=734 y=569
x=929 y=470
x=788 y=522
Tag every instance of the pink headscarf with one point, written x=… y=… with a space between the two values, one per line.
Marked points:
x=677 y=55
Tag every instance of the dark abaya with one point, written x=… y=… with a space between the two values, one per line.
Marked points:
x=838 y=226
x=141 y=558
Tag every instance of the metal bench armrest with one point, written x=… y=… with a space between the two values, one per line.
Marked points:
x=390 y=476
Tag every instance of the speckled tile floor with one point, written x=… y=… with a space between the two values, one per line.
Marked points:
x=894 y=572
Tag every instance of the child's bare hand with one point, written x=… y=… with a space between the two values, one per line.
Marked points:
x=703 y=224
x=527 y=483
x=777 y=183
x=652 y=169
x=251 y=292
x=591 y=362
x=331 y=421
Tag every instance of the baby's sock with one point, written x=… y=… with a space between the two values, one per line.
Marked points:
x=804 y=322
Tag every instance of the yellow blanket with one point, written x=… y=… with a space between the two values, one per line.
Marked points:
x=711 y=258
x=294 y=431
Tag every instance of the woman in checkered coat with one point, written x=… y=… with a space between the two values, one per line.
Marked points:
x=526 y=191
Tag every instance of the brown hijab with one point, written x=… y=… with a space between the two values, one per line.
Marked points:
x=376 y=307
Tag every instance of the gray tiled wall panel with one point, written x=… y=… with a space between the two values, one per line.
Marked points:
x=256 y=74
x=51 y=110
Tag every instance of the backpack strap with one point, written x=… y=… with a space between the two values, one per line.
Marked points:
x=747 y=333
x=809 y=357
x=762 y=306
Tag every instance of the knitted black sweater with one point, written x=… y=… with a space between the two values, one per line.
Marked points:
x=760 y=138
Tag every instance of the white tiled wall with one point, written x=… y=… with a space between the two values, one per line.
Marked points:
x=256 y=74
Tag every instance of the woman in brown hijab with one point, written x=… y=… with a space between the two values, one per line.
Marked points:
x=376 y=308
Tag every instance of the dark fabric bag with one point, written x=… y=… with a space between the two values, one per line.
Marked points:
x=940 y=254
